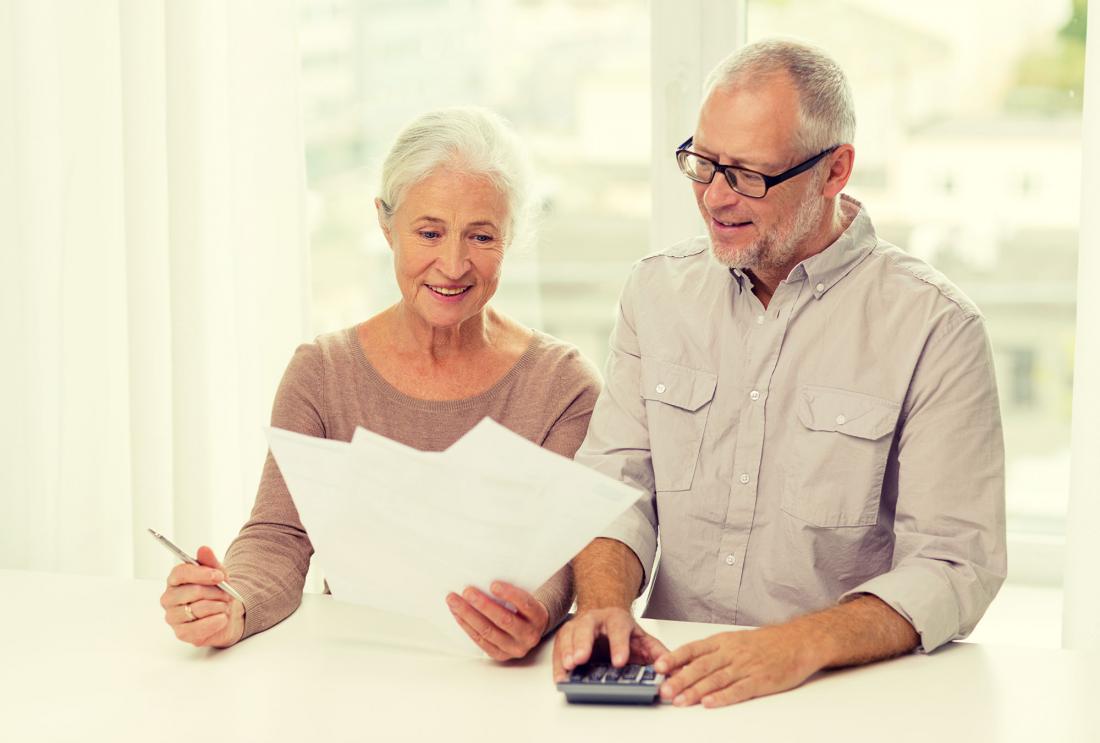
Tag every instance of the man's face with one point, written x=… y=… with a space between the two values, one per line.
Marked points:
x=755 y=127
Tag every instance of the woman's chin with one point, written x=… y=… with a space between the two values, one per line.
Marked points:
x=442 y=316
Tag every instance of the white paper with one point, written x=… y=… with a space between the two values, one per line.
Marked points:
x=397 y=529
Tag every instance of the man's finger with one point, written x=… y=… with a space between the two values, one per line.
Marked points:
x=735 y=693
x=557 y=669
x=645 y=648
x=688 y=675
x=582 y=638
x=683 y=655
x=720 y=675
x=619 y=629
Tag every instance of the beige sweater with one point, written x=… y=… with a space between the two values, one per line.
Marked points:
x=330 y=387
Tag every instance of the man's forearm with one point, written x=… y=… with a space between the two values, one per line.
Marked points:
x=859 y=631
x=606 y=574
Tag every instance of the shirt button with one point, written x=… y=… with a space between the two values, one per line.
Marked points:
x=744 y=479
x=754 y=395
x=730 y=559
x=841 y=420
x=820 y=287
x=759 y=319
x=661 y=389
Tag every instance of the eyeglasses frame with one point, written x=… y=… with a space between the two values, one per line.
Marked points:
x=769 y=180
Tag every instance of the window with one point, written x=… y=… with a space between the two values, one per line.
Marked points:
x=369 y=67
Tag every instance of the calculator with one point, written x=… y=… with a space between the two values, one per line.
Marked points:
x=602 y=683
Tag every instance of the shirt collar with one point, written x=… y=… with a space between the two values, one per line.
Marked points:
x=823 y=270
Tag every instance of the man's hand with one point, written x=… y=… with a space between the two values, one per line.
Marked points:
x=731 y=667
x=626 y=641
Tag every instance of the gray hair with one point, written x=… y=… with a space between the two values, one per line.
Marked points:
x=826 y=112
x=471 y=140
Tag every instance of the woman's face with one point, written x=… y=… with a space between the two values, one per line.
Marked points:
x=447 y=237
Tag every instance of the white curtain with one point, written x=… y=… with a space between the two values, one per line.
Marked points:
x=154 y=271
x=1081 y=614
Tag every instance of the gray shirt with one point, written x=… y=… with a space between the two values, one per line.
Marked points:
x=846 y=440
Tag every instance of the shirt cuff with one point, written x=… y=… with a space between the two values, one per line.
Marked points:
x=634 y=530
x=920 y=595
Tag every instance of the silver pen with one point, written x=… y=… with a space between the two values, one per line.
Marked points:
x=184 y=557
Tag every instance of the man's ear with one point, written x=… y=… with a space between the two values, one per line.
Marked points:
x=840 y=162
x=383 y=221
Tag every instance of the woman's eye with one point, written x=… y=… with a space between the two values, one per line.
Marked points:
x=483 y=238
x=429 y=234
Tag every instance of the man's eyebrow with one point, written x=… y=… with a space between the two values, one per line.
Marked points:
x=750 y=165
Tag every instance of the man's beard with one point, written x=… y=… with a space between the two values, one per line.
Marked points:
x=777 y=249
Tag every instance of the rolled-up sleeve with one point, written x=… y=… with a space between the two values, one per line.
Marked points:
x=617 y=443
x=949 y=553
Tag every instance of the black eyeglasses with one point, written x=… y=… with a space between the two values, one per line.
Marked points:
x=745 y=182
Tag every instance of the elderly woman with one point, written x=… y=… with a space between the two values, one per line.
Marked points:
x=454 y=195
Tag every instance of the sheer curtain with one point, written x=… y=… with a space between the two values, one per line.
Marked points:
x=154 y=271
x=1081 y=615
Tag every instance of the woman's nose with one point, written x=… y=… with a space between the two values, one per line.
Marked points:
x=454 y=261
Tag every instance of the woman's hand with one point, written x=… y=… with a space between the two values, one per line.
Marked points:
x=502 y=633
x=196 y=609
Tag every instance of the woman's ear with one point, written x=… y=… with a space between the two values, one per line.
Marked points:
x=383 y=221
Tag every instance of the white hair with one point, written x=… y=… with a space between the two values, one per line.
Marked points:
x=826 y=112
x=470 y=140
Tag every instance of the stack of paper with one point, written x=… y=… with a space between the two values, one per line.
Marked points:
x=397 y=529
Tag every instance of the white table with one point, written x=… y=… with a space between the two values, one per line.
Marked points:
x=90 y=659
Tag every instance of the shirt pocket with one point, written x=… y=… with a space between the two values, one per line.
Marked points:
x=677 y=402
x=839 y=457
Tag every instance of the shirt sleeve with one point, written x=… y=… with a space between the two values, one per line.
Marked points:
x=617 y=443
x=949 y=527
x=269 y=559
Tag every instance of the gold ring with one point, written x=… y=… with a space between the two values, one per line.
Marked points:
x=190 y=614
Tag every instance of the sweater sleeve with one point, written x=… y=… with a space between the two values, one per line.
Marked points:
x=269 y=559
x=581 y=387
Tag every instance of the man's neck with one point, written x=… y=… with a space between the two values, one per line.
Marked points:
x=833 y=223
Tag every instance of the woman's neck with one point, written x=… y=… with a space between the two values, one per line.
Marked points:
x=411 y=335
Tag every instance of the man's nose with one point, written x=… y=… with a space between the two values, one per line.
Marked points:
x=718 y=194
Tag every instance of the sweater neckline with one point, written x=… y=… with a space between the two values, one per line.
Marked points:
x=397 y=396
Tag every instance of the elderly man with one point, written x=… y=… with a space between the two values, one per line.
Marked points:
x=810 y=413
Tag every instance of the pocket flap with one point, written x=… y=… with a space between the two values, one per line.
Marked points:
x=853 y=413
x=688 y=389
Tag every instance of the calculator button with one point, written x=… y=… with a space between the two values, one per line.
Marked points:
x=596 y=675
